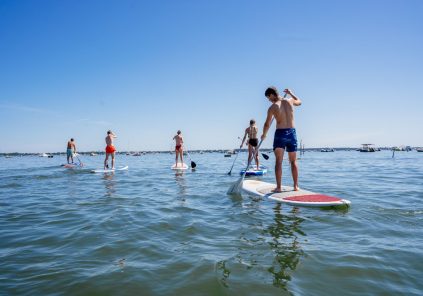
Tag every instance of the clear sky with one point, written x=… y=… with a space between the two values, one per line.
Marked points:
x=147 y=68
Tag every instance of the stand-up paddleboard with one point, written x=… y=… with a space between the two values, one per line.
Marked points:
x=72 y=165
x=179 y=166
x=253 y=171
x=301 y=198
x=123 y=168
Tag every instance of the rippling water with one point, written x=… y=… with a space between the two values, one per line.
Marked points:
x=151 y=231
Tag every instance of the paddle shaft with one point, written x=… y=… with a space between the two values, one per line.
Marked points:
x=193 y=164
x=239 y=150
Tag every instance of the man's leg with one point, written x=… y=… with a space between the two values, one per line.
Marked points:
x=278 y=168
x=67 y=158
x=181 y=152
x=250 y=153
x=294 y=168
x=176 y=156
x=105 y=160
x=257 y=158
x=113 y=160
x=72 y=157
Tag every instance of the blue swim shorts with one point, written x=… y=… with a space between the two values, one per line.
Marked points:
x=285 y=138
x=69 y=152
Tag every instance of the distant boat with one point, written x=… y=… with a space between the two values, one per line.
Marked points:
x=419 y=149
x=367 y=148
x=93 y=154
x=46 y=155
x=327 y=150
x=136 y=154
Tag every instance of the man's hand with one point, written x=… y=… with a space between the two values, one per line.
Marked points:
x=287 y=91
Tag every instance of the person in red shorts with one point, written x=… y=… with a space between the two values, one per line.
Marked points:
x=179 y=148
x=110 y=149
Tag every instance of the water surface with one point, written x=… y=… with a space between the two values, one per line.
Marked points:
x=151 y=231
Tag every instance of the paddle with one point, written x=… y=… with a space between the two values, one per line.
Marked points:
x=80 y=162
x=193 y=164
x=237 y=186
x=239 y=150
x=265 y=156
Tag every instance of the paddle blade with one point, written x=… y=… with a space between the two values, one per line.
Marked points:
x=265 y=156
x=193 y=164
x=236 y=187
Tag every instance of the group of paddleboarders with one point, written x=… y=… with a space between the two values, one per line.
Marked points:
x=285 y=138
x=110 y=150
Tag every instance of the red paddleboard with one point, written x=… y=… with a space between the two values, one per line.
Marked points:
x=301 y=198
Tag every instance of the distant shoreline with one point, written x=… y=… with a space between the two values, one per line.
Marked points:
x=317 y=149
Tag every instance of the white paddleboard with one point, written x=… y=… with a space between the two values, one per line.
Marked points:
x=72 y=165
x=301 y=198
x=180 y=166
x=123 y=168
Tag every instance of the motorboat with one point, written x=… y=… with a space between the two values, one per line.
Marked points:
x=367 y=148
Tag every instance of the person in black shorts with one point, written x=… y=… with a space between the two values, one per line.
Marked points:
x=252 y=143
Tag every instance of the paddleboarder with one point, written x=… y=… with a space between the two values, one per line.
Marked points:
x=110 y=149
x=70 y=150
x=282 y=109
x=179 y=149
x=252 y=133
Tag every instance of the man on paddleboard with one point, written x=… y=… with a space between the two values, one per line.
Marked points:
x=282 y=110
x=252 y=132
x=179 y=149
x=70 y=150
x=110 y=149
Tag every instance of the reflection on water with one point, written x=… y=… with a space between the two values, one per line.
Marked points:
x=109 y=184
x=285 y=245
x=181 y=183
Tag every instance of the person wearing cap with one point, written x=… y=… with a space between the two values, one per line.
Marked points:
x=179 y=149
x=110 y=149
x=70 y=150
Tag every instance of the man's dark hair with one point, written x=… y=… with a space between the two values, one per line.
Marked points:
x=109 y=132
x=71 y=139
x=252 y=121
x=271 y=91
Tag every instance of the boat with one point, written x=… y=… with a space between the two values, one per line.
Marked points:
x=136 y=154
x=45 y=155
x=419 y=149
x=327 y=150
x=367 y=148
x=93 y=154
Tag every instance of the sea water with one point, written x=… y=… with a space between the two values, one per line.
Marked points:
x=153 y=231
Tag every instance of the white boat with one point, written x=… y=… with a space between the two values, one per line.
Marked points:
x=46 y=155
x=419 y=149
x=93 y=154
x=368 y=148
x=327 y=150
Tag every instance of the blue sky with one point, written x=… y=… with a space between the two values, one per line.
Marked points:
x=147 y=68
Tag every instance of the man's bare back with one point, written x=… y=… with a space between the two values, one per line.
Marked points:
x=109 y=139
x=283 y=111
